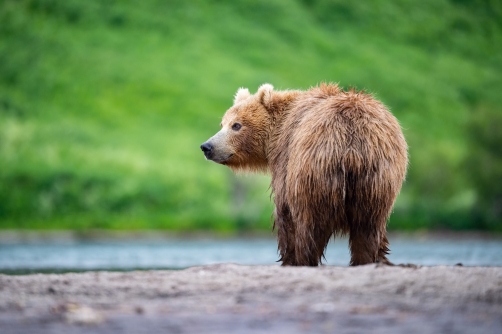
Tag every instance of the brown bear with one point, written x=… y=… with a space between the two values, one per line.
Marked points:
x=337 y=158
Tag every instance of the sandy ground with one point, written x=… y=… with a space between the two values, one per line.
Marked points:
x=229 y=298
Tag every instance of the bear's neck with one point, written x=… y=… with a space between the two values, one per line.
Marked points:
x=281 y=105
x=279 y=109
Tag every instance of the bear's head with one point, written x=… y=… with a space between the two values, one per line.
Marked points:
x=241 y=144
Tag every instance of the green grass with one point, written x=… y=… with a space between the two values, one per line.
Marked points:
x=103 y=105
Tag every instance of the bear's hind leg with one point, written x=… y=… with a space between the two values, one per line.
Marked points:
x=383 y=250
x=367 y=210
x=311 y=241
x=364 y=246
x=368 y=247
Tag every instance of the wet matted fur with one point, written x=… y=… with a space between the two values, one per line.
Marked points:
x=337 y=158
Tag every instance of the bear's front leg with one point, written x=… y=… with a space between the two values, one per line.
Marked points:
x=285 y=235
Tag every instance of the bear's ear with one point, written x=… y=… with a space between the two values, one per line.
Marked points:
x=265 y=94
x=241 y=95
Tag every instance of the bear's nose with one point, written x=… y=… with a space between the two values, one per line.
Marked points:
x=206 y=148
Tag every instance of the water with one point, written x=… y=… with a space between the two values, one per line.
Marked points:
x=62 y=256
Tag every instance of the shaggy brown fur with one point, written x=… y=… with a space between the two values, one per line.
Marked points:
x=337 y=159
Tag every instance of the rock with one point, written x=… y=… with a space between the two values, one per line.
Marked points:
x=82 y=315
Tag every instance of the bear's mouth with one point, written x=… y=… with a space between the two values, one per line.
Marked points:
x=223 y=161
x=220 y=160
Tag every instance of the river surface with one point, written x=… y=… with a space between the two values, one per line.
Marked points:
x=62 y=255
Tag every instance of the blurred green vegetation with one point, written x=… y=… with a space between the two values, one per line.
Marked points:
x=103 y=104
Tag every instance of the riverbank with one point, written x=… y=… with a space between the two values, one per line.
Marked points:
x=257 y=299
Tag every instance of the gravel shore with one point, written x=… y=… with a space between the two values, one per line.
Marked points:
x=232 y=298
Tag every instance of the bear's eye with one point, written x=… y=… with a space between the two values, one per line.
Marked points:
x=236 y=126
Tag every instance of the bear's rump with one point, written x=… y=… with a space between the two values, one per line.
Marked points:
x=338 y=172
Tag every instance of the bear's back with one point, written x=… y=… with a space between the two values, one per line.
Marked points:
x=333 y=123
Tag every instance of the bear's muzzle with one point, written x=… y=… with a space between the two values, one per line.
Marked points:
x=207 y=148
